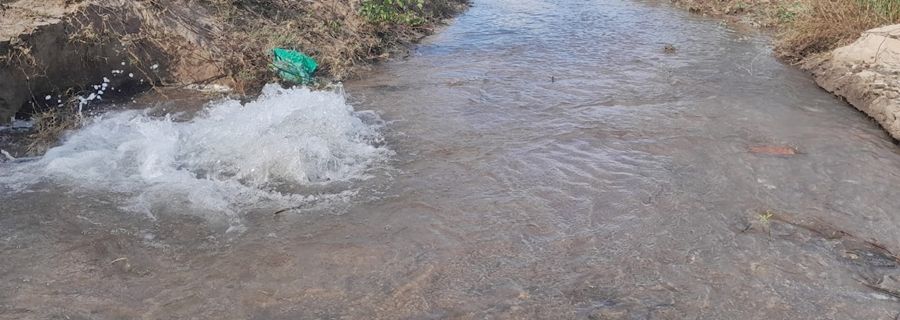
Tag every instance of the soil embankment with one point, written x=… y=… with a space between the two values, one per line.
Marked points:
x=50 y=47
x=867 y=74
x=53 y=51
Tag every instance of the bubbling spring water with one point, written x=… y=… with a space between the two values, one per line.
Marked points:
x=230 y=156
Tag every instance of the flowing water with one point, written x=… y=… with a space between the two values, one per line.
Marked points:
x=535 y=159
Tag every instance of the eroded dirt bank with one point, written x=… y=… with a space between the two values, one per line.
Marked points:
x=865 y=73
x=50 y=47
x=59 y=48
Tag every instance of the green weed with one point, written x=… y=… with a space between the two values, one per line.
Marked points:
x=406 y=12
x=787 y=13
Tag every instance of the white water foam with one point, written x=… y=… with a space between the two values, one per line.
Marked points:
x=230 y=156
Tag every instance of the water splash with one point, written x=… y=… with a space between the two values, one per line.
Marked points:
x=229 y=157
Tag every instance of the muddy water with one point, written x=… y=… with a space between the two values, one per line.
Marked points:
x=548 y=160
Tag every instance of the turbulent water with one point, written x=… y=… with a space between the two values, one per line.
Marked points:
x=229 y=157
x=536 y=160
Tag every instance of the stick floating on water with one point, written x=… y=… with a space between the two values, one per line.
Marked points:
x=7 y=155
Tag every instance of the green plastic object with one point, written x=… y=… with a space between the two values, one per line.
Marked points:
x=294 y=66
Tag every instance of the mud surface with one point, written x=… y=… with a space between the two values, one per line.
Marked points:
x=551 y=161
x=24 y=16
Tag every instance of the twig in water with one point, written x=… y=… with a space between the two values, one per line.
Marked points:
x=285 y=210
x=893 y=293
x=7 y=155
x=751 y=70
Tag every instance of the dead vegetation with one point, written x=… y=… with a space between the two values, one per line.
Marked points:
x=230 y=41
x=340 y=34
x=805 y=27
x=823 y=25
x=49 y=126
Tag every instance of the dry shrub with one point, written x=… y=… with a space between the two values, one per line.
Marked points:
x=49 y=126
x=823 y=25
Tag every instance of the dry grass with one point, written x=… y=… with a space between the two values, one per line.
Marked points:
x=806 y=27
x=823 y=25
x=49 y=126
x=334 y=32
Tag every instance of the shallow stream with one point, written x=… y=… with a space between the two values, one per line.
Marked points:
x=536 y=159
